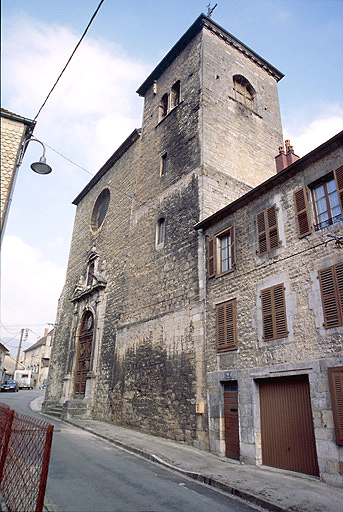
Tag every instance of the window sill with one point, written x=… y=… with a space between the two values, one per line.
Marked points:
x=226 y=272
x=245 y=107
x=168 y=113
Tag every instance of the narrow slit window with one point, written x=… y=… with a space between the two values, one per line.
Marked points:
x=164 y=164
x=160 y=231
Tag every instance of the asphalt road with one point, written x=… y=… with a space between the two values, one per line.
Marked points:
x=88 y=474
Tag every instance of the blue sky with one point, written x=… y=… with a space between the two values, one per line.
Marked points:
x=95 y=107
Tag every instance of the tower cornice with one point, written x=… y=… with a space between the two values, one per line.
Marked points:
x=204 y=22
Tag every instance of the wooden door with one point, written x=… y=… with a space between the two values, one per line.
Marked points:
x=231 y=419
x=287 y=432
x=84 y=354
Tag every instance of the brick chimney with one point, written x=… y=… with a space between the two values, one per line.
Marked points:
x=285 y=158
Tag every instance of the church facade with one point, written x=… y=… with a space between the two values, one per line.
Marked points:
x=131 y=341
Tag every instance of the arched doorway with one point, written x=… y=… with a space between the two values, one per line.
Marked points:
x=84 y=354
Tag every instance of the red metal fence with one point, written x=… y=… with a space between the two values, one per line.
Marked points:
x=25 y=445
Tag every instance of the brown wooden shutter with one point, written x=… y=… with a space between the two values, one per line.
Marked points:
x=226 y=326
x=331 y=286
x=267 y=230
x=210 y=258
x=339 y=185
x=273 y=234
x=274 y=312
x=261 y=233
x=302 y=212
x=280 y=312
x=336 y=392
x=267 y=314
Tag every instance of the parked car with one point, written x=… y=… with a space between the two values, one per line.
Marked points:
x=10 y=385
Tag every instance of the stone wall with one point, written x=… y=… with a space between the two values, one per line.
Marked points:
x=12 y=134
x=148 y=355
x=309 y=348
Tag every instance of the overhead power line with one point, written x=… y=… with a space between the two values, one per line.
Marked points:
x=72 y=55
x=66 y=158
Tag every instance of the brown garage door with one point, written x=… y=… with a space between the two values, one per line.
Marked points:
x=287 y=432
x=231 y=419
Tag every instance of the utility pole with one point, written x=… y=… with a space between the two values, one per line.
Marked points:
x=19 y=349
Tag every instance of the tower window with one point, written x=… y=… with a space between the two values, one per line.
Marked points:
x=164 y=106
x=160 y=231
x=100 y=210
x=164 y=164
x=90 y=276
x=175 y=94
x=244 y=91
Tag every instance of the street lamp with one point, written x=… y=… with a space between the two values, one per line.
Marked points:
x=40 y=167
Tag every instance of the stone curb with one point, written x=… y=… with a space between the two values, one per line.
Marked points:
x=248 y=497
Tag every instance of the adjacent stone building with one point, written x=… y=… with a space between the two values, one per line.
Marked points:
x=37 y=358
x=15 y=131
x=274 y=324
x=133 y=337
x=3 y=352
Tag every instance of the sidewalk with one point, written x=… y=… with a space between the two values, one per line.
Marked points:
x=272 y=489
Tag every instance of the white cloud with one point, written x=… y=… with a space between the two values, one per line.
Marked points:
x=31 y=284
x=92 y=110
x=94 y=106
x=306 y=138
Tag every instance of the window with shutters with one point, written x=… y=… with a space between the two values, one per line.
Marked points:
x=226 y=326
x=267 y=230
x=274 y=312
x=221 y=253
x=336 y=392
x=331 y=287
x=327 y=197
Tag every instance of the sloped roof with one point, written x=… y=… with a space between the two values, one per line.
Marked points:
x=3 y=347
x=40 y=342
x=201 y=22
x=16 y=117
x=288 y=172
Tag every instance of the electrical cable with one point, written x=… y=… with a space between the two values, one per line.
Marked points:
x=66 y=158
x=72 y=55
